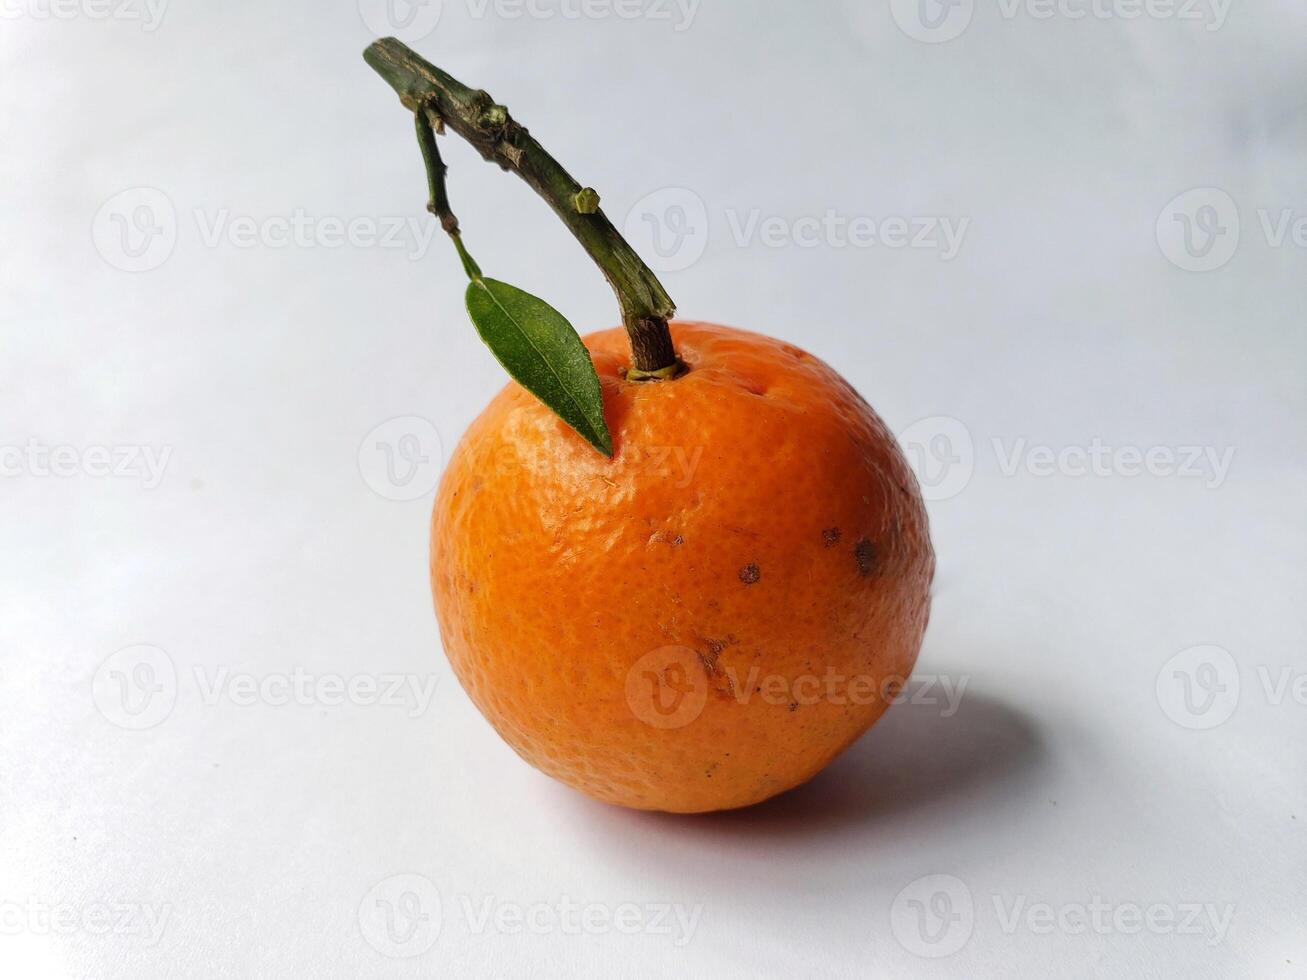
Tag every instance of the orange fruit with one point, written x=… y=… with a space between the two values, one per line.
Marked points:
x=707 y=618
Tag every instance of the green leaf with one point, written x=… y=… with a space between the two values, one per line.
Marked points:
x=543 y=353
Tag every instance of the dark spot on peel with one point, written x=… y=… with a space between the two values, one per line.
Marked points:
x=750 y=574
x=830 y=537
x=864 y=553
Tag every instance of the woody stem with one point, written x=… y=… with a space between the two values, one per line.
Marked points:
x=437 y=99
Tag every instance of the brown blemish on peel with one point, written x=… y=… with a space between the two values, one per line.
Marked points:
x=830 y=537
x=718 y=680
x=715 y=647
x=864 y=553
x=750 y=574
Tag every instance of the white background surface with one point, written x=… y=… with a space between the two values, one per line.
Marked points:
x=1071 y=772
